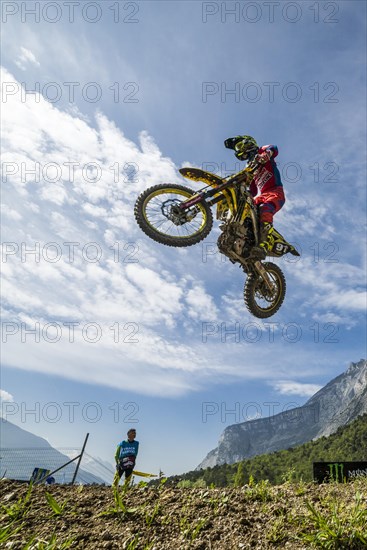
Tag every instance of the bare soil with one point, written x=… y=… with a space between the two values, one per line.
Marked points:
x=169 y=518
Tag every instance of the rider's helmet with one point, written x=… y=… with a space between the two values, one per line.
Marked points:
x=245 y=147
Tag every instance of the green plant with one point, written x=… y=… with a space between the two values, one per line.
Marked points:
x=277 y=531
x=120 y=508
x=337 y=527
x=58 y=509
x=189 y=529
x=300 y=488
x=7 y=531
x=289 y=475
x=214 y=502
x=200 y=483
x=132 y=544
x=20 y=508
x=150 y=516
x=15 y=513
x=185 y=484
x=52 y=544
x=224 y=498
x=163 y=481
x=166 y=520
x=200 y=524
x=259 y=491
x=240 y=476
x=142 y=484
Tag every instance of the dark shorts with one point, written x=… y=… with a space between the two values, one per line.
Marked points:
x=127 y=469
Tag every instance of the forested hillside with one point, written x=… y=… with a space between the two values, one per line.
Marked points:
x=348 y=443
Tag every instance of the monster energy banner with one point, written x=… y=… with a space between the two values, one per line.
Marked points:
x=324 y=472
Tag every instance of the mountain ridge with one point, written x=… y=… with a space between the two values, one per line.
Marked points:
x=347 y=444
x=339 y=402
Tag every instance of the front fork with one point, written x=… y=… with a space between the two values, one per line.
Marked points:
x=191 y=202
x=264 y=274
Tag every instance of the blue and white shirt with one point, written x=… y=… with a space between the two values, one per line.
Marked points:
x=127 y=448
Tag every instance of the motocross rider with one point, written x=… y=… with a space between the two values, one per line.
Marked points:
x=266 y=186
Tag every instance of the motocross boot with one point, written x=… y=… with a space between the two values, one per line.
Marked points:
x=261 y=250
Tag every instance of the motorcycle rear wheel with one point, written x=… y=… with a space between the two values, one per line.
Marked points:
x=158 y=215
x=258 y=299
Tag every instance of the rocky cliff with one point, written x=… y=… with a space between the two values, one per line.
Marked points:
x=336 y=404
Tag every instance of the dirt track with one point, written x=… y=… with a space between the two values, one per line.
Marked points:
x=169 y=518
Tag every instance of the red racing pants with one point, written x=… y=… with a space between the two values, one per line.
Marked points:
x=269 y=203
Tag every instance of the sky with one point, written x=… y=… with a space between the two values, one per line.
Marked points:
x=104 y=329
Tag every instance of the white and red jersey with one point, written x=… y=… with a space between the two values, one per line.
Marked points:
x=267 y=177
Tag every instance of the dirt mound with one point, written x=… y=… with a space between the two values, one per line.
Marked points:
x=256 y=516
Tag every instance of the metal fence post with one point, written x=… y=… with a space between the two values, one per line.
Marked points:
x=80 y=458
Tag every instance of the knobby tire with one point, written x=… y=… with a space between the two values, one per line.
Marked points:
x=252 y=285
x=161 y=237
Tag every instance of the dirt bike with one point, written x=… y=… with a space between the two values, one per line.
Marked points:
x=176 y=215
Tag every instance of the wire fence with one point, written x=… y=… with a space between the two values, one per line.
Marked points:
x=94 y=466
x=19 y=464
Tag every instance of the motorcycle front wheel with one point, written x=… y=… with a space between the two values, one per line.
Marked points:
x=259 y=299
x=158 y=214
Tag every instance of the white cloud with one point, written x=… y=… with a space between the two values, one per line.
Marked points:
x=10 y=212
x=339 y=286
x=6 y=396
x=288 y=387
x=79 y=261
x=201 y=305
x=106 y=272
x=26 y=57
